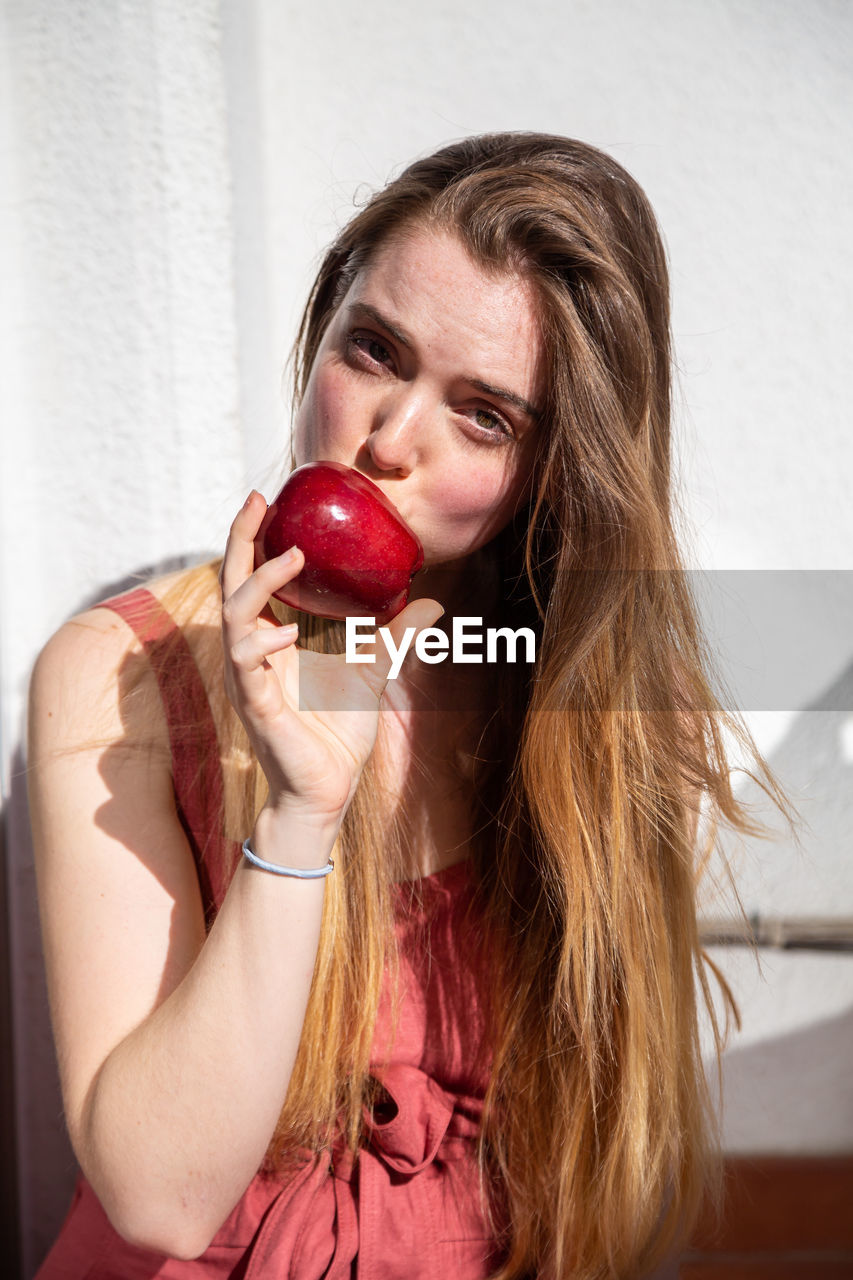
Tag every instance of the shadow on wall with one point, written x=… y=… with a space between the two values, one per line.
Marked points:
x=9 y=1243
x=815 y=762
x=814 y=765
x=172 y=564
x=792 y=1094
x=46 y=1167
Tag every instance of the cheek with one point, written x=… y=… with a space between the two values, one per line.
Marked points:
x=321 y=421
x=471 y=496
x=481 y=504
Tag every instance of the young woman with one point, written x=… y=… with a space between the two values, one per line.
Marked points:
x=470 y=1049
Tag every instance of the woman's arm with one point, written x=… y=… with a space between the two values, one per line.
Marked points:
x=175 y=1051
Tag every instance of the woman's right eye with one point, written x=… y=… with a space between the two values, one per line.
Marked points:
x=368 y=351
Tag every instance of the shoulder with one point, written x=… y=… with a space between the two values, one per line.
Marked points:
x=78 y=688
x=84 y=654
x=87 y=669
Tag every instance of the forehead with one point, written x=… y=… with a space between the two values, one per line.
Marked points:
x=453 y=308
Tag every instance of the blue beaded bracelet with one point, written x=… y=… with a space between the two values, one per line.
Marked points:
x=300 y=873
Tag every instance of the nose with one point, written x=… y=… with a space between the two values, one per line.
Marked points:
x=396 y=433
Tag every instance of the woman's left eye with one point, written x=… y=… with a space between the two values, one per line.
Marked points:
x=491 y=424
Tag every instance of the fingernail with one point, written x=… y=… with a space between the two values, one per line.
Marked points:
x=290 y=553
x=249 y=499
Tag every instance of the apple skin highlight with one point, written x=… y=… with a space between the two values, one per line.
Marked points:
x=360 y=555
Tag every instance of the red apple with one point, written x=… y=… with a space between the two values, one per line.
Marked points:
x=360 y=555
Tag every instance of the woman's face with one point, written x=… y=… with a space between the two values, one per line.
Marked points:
x=429 y=380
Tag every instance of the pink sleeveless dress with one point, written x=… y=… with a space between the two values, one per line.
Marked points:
x=409 y=1206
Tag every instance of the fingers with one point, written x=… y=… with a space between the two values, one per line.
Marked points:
x=420 y=614
x=241 y=609
x=239 y=559
x=250 y=683
x=251 y=652
x=246 y=590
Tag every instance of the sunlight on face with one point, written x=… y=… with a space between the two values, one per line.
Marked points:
x=430 y=380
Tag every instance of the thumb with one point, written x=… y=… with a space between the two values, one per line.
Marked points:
x=393 y=642
x=419 y=614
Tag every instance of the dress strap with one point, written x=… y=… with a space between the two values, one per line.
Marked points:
x=193 y=741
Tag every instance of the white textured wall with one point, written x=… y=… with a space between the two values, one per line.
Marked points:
x=122 y=444
x=169 y=171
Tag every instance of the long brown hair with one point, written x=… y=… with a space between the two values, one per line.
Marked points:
x=598 y=1126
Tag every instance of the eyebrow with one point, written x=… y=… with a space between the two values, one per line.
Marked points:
x=400 y=335
x=365 y=309
x=501 y=393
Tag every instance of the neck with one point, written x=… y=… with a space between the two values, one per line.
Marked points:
x=469 y=587
x=448 y=693
x=429 y=733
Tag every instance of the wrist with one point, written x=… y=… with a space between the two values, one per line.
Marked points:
x=293 y=837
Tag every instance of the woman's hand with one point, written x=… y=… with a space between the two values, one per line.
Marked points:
x=311 y=717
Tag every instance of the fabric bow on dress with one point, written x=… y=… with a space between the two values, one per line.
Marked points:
x=406 y=1209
